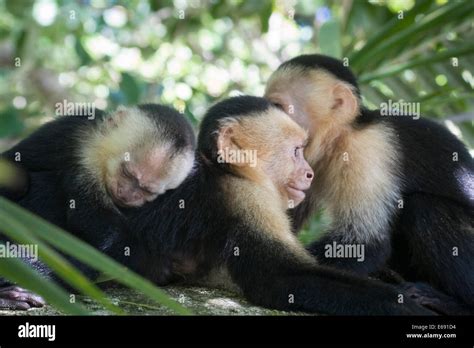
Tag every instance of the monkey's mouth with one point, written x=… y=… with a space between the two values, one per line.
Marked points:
x=296 y=193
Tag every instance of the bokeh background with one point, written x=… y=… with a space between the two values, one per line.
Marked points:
x=190 y=53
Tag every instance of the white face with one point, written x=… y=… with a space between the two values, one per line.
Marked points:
x=280 y=152
x=137 y=181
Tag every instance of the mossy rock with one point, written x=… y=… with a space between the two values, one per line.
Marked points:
x=201 y=301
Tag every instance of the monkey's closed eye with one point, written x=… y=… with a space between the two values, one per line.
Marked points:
x=279 y=106
x=124 y=171
x=147 y=190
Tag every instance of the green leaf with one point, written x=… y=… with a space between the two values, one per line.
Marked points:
x=431 y=21
x=19 y=8
x=14 y=227
x=84 y=57
x=17 y=272
x=330 y=39
x=265 y=14
x=395 y=69
x=10 y=124
x=390 y=28
x=85 y=253
x=130 y=88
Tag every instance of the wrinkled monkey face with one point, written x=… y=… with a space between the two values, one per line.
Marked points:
x=141 y=179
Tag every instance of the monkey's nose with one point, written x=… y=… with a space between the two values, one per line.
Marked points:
x=309 y=175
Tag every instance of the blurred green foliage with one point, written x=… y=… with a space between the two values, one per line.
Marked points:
x=189 y=53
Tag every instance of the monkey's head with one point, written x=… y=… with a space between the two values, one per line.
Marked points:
x=318 y=92
x=251 y=138
x=141 y=152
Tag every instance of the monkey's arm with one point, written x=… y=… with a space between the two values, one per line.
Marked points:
x=360 y=257
x=271 y=275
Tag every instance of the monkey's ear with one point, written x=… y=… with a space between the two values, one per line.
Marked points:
x=228 y=133
x=344 y=101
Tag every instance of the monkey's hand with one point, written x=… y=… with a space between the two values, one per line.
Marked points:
x=14 y=297
x=435 y=300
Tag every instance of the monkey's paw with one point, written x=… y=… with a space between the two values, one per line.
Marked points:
x=14 y=297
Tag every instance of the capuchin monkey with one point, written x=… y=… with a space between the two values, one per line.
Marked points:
x=402 y=188
x=127 y=157
x=226 y=225
x=81 y=171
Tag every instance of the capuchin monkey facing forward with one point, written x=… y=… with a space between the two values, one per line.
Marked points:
x=401 y=187
x=80 y=172
x=227 y=223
